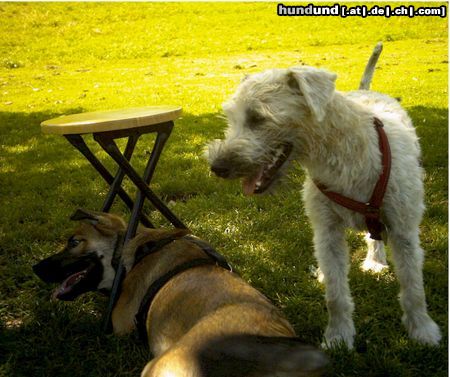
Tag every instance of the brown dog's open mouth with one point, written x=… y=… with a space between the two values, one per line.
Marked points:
x=260 y=182
x=67 y=286
x=77 y=276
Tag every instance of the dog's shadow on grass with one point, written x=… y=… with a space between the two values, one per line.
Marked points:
x=268 y=239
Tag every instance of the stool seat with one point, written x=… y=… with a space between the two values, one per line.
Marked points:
x=110 y=120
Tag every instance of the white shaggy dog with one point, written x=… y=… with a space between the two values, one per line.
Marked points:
x=284 y=114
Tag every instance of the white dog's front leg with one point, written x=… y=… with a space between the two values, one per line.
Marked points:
x=332 y=256
x=376 y=256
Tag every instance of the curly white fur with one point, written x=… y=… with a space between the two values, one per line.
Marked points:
x=334 y=139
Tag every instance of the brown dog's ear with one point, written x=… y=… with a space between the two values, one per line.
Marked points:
x=105 y=223
x=84 y=215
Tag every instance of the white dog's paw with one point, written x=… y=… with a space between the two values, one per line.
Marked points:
x=339 y=336
x=376 y=256
x=427 y=332
x=370 y=265
x=317 y=273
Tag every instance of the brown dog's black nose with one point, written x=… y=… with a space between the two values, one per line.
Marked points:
x=220 y=170
x=48 y=271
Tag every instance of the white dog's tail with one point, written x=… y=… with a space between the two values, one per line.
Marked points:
x=370 y=67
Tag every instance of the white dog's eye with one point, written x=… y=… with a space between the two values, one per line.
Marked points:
x=254 y=119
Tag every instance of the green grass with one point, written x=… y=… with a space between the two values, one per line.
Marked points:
x=70 y=57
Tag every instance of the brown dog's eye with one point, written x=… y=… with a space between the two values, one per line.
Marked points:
x=72 y=243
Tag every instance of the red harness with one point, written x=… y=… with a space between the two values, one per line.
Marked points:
x=371 y=209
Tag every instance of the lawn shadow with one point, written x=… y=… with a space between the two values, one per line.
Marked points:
x=267 y=238
x=60 y=338
x=432 y=128
x=44 y=180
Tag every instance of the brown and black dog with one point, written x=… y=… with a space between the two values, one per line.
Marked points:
x=201 y=320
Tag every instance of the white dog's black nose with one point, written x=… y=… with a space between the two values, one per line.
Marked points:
x=220 y=170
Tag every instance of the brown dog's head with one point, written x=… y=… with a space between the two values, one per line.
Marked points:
x=86 y=262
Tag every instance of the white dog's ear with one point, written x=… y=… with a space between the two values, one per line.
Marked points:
x=316 y=85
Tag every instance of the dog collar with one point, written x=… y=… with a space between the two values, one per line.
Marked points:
x=214 y=258
x=371 y=209
x=150 y=248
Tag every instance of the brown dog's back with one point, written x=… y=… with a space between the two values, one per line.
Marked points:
x=208 y=322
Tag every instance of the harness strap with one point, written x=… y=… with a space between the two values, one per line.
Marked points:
x=218 y=258
x=371 y=209
x=151 y=247
x=155 y=287
x=214 y=259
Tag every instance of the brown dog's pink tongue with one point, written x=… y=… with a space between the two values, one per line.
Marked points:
x=66 y=285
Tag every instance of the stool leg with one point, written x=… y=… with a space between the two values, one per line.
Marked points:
x=108 y=144
x=78 y=142
x=110 y=147
x=131 y=143
x=120 y=272
x=116 y=185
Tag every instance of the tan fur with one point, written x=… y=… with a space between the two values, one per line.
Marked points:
x=194 y=309
x=185 y=314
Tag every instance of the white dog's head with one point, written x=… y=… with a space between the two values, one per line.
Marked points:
x=269 y=119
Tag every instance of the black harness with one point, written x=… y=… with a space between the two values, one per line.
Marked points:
x=213 y=258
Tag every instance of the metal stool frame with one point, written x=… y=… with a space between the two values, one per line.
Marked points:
x=107 y=141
